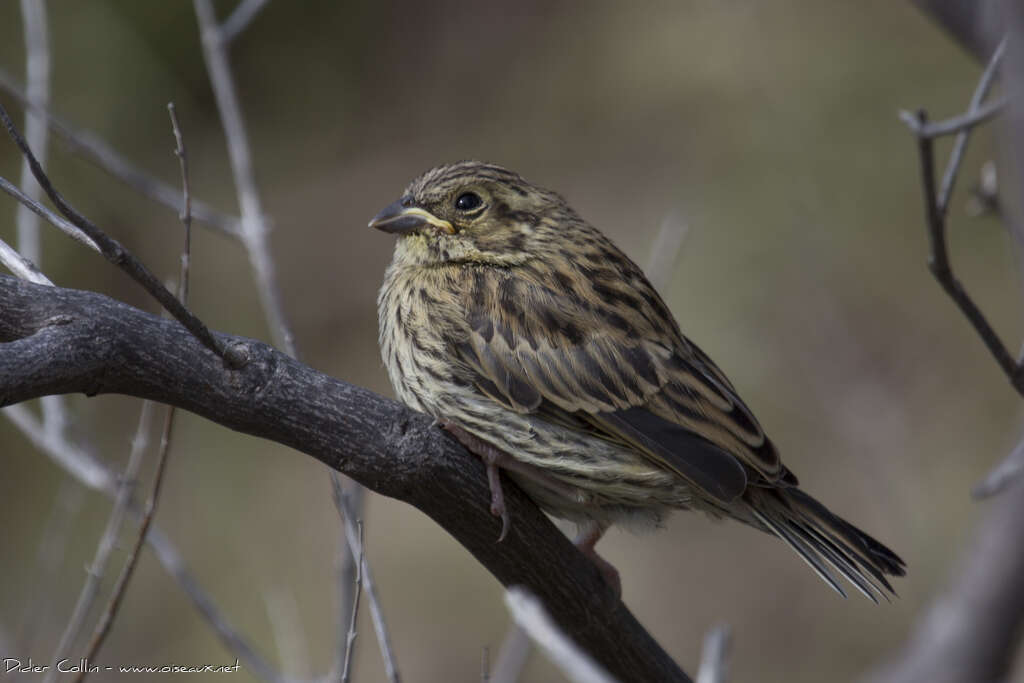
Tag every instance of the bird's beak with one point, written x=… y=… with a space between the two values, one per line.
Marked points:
x=401 y=219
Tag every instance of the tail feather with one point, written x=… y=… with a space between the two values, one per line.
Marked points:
x=825 y=540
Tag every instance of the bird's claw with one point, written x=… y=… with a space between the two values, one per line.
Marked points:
x=498 y=499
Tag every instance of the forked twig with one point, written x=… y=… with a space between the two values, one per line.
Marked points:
x=341 y=500
x=350 y=640
x=936 y=203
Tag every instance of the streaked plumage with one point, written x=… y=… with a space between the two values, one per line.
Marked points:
x=511 y=316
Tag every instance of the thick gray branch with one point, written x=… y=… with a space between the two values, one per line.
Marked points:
x=970 y=633
x=57 y=341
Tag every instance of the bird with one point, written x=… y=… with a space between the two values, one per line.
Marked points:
x=543 y=349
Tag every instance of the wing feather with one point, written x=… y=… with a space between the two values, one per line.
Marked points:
x=617 y=376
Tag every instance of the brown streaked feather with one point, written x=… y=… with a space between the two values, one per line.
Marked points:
x=533 y=348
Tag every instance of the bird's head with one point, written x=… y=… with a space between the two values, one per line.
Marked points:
x=473 y=212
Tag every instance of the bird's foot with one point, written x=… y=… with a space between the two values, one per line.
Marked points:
x=590 y=533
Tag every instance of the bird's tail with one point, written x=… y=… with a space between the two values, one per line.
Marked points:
x=826 y=542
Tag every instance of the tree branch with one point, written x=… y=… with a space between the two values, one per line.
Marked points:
x=970 y=633
x=65 y=341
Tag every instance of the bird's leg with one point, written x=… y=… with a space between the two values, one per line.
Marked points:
x=590 y=533
x=495 y=458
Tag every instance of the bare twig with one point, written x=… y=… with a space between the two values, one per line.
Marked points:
x=350 y=640
x=113 y=251
x=714 y=657
x=186 y=203
x=21 y=266
x=529 y=613
x=1003 y=474
x=92 y=474
x=939 y=261
x=93 y=149
x=56 y=221
x=957 y=124
x=107 y=541
x=81 y=464
x=342 y=501
x=512 y=655
x=37 y=79
x=960 y=145
x=240 y=19
x=118 y=592
x=971 y=631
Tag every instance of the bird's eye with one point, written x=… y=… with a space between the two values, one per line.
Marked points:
x=467 y=201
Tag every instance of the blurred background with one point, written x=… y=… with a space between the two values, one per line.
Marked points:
x=768 y=130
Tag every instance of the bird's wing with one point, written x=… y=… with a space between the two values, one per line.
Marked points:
x=623 y=373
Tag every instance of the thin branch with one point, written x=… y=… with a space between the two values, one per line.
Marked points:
x=240 y=19
x=78 y=462
x=714 y=656
x=118 y=592
x=37 y=78
x=350 y=640
x=1003 y=474
x=530 y=614
x=92 y=148
x=21 y=266
x=939 y=264
x=345 y=510
x=105 y=547
x=92 y=474
x=113 y=251
x=960 y=145
x=512 y=655
x=186 y=204
x=57 y=221
x=956 y=124
x=971 y=630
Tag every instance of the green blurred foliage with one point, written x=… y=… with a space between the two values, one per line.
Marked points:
x=769 y=129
